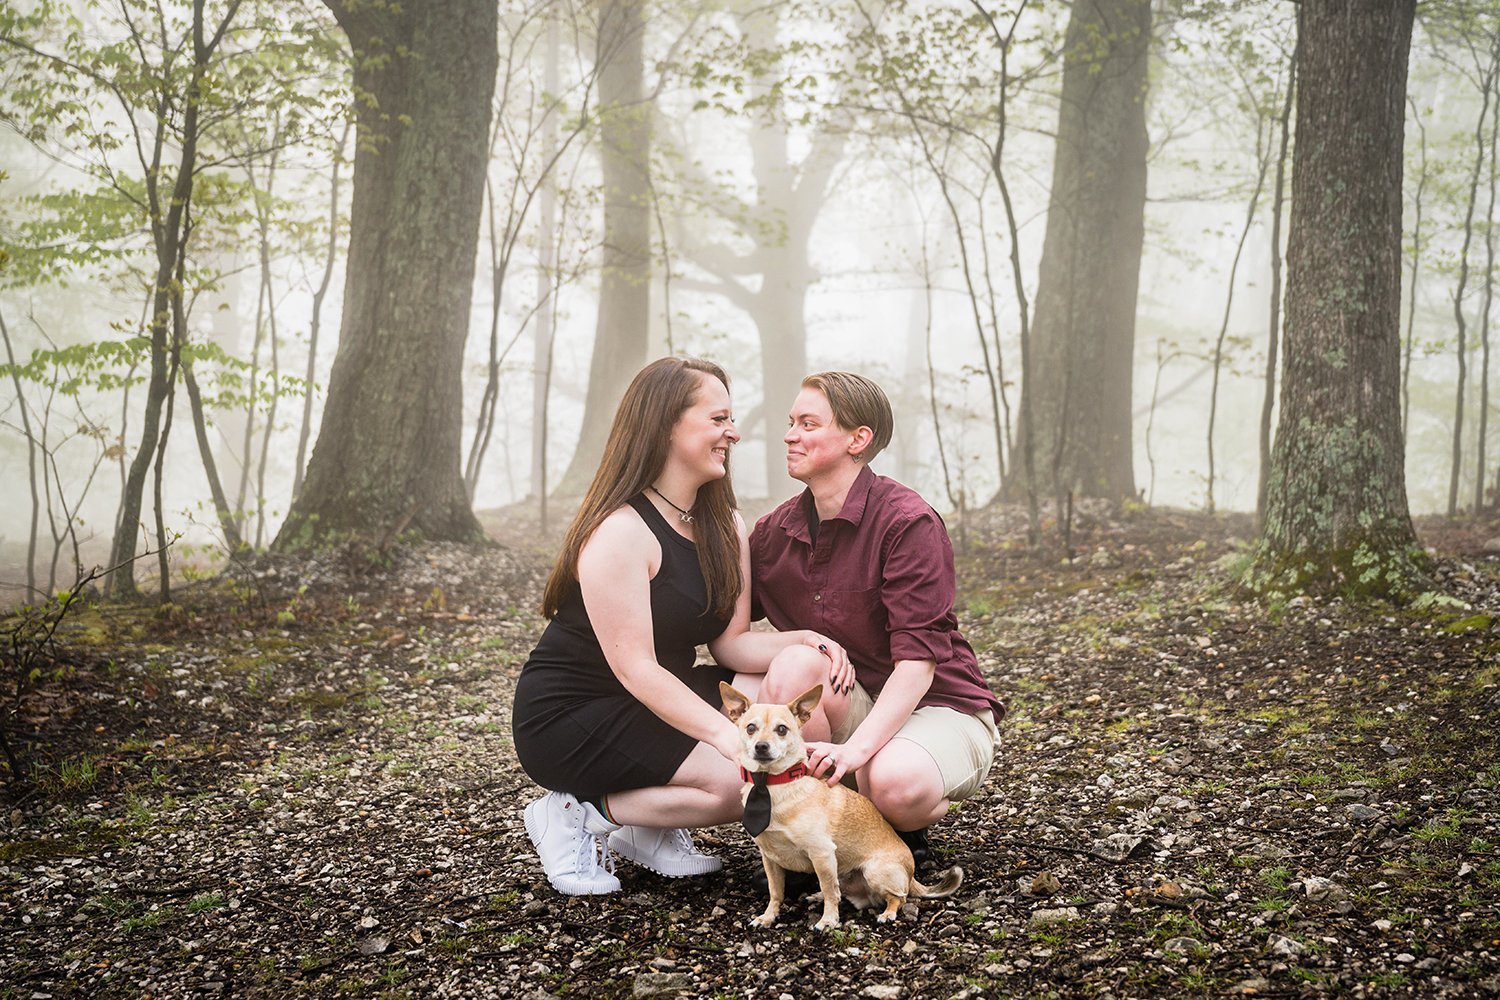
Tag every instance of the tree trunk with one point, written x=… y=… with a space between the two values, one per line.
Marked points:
x=622 y=331
x=1083 y=340
x=1486 y=87
x=793 y=193
x=1262 y=158
x=1273 y=339
x=316 y=325
x=233 y=540
x=1416 y=261
x=388 y=452
x=169 y=232
x=1486 y=300
x=31 y=449
x=1336 y=511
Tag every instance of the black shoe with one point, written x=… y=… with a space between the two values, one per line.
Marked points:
x=917 y=841
x=798 y=884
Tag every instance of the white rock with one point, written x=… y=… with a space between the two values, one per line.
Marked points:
x=1059 y=915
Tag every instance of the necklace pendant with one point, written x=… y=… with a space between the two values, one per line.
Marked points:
x=685 y=518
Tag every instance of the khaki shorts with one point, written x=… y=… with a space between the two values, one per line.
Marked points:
x=962 y=746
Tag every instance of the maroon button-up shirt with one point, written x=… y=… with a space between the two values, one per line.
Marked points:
x=879 y=580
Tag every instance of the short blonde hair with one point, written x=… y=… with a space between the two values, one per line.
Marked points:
x=856 y=402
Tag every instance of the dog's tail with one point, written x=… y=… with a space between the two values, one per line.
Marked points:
x=952 y=879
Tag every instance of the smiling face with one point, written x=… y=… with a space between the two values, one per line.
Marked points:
x=703 y=435
x=815 y=443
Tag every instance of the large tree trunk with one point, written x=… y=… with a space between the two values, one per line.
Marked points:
x=1336 y=511
x=621 y=333
x=389 y=449
x=1083 y=340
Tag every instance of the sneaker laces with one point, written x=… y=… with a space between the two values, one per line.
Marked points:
x=679 y=839
x=592 y=850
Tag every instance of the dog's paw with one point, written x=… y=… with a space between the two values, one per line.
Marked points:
x=886 y=918
x=826 y=924
x=764 y=920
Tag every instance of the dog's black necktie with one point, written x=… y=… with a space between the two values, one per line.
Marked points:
x=757 y=805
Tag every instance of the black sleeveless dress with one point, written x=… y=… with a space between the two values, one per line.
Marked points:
x=575 y=726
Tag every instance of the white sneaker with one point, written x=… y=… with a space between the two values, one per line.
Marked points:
x=570 y=839
x=666 y=852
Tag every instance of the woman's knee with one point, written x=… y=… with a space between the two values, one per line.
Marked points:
x=728 y=801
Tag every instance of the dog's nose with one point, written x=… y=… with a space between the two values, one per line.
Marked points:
x=762 y=749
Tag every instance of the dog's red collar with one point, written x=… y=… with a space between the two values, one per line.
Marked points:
x=797 y=770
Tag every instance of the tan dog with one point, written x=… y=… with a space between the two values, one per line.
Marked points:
x=835 y=832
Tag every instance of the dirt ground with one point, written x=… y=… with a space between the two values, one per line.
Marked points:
x=300 y=782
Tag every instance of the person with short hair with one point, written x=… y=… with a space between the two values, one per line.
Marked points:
x=865 y=560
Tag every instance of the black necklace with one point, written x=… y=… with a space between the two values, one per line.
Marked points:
x=685 y=516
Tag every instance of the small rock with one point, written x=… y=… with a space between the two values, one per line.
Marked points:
x=368 y=923
x=1117 y=846
x=1280 y=944
x=374 y=945
x=655 y=984
x=1185 y=946
x=883 y=992
x=1045 y=884
x=1361 y=813
x=1251 y=987
x=1406 y=958
x=1060 y=915
x=1323 y=888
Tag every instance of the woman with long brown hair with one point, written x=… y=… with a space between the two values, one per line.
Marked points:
x=611 y=712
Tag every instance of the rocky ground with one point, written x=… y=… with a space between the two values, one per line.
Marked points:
x=299 y=782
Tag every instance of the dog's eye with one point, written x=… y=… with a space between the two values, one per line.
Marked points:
x=750 y=729
x=781 y=730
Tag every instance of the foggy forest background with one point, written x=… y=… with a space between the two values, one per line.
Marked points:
x=781 y=187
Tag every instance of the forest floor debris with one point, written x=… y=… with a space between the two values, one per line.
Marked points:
x=298 y=781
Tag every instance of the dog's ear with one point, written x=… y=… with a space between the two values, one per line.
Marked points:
x=802 y=707
x=734 y=702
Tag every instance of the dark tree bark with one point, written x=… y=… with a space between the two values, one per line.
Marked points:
x=1336 y=512
x=622 y=330
x=1083 y=340
x=389 y=450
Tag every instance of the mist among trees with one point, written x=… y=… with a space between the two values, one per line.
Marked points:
x=278 y=273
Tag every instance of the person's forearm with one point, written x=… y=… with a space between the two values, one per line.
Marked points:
x=909 y=681
x=751 y=652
